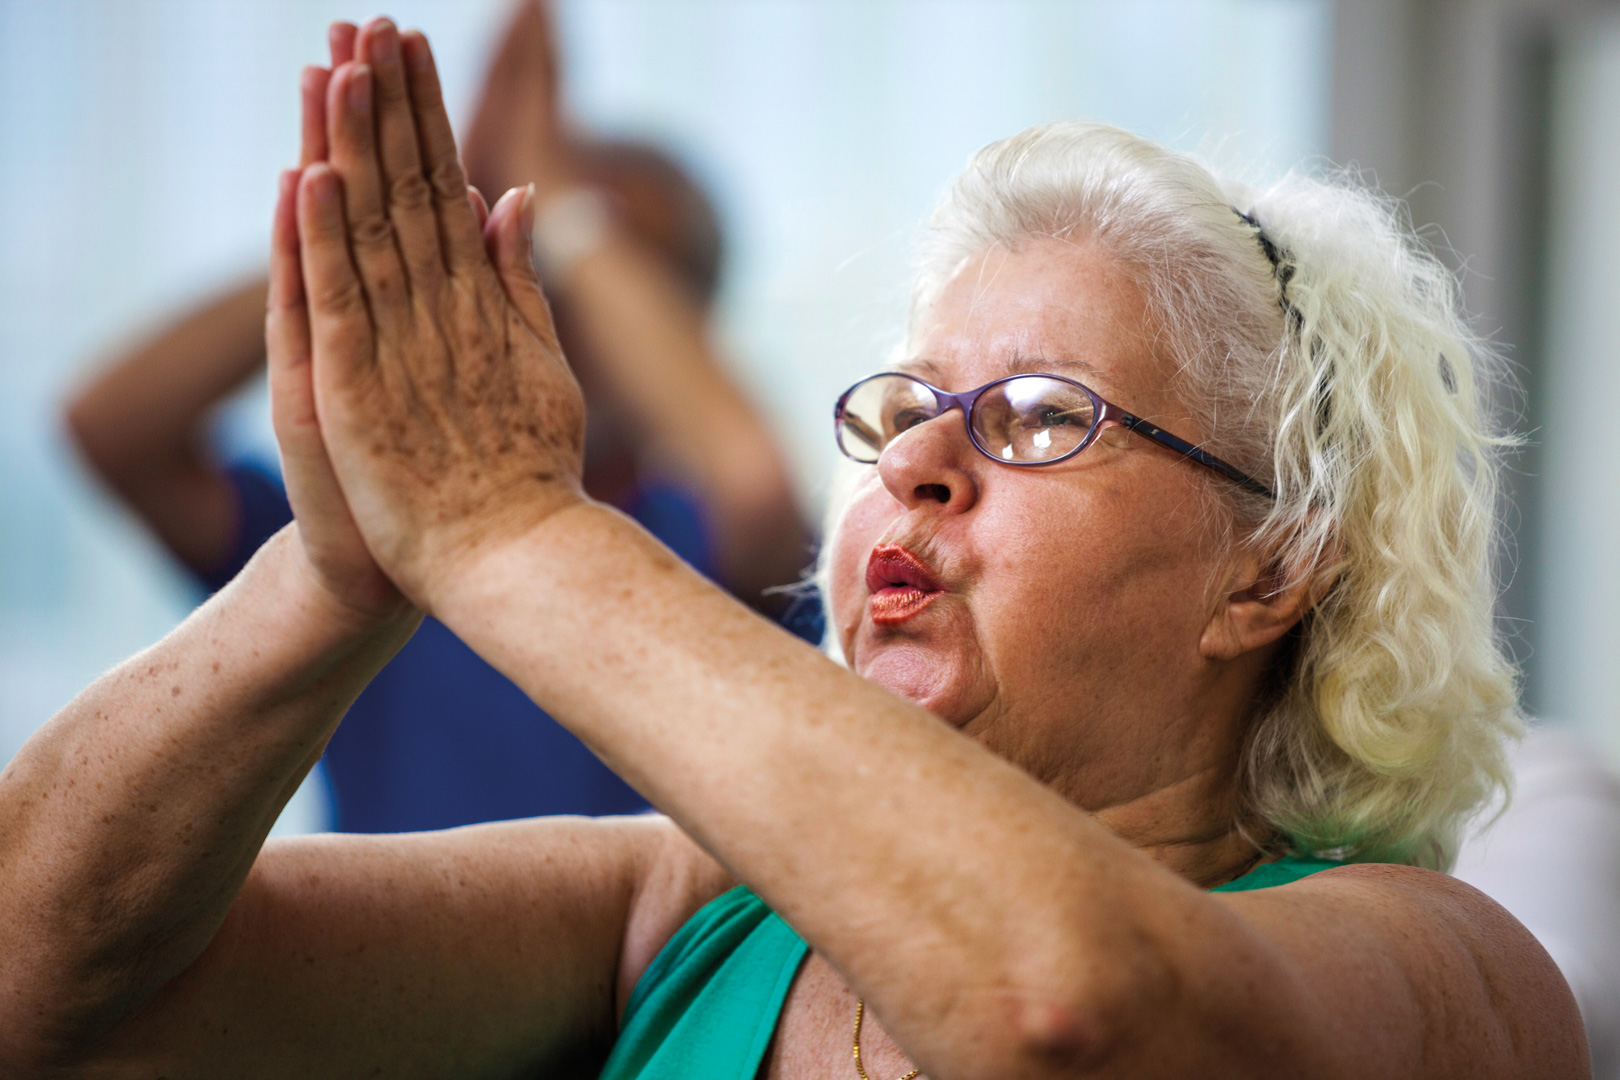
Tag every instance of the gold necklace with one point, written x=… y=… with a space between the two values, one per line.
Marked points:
x=860 y=1014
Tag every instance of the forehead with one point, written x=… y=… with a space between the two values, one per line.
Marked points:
x=1047 y=305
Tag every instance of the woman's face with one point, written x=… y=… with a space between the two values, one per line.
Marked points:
x=1058 y=614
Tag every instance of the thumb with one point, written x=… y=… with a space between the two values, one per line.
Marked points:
x=508 y=237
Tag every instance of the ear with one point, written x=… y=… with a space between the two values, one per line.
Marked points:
x=1260 y=603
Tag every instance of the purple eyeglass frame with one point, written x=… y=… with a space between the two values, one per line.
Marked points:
x=1104 y=412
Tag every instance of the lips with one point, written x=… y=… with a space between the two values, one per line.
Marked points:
x=900 y=584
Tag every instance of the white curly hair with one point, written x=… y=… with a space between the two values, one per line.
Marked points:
x=1324 y=350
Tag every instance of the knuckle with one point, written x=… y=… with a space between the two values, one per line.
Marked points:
x=449 y=182
x=410 y=191
x=372 y=231
x=340 y=298
x=391 y=91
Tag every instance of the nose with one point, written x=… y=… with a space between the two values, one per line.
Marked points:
x=932 y=465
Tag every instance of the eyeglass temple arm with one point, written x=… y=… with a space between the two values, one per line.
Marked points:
x=1186 y=449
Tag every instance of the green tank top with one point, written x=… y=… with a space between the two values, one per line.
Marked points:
x=708 y=1004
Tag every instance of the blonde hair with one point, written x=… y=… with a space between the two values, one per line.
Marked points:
x=1343 y=377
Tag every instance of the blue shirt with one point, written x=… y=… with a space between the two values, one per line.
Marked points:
x=440 y=738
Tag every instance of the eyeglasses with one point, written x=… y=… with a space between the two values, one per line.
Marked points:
x=1023 y=420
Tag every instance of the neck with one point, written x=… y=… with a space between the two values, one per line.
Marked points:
x=1190 y=826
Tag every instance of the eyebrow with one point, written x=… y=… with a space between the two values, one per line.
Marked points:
x=1016 y=362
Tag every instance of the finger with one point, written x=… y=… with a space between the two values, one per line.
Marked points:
x=312 y=485
x=312 y=86
x=287 y=320
x=409 y=200
x=527 y=56
x=507 y=236
x=480 y=207
x=458 y=226
x=292 y=391
x=354 y=157
x=340 y=39
x=339 y=321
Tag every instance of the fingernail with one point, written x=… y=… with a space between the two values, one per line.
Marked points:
x=526 y=210
x=322 y=186
x=418 y=55
x=360 y=88
x=311 y=77
x=385 y=41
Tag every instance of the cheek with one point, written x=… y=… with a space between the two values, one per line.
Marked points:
x=1077 y=582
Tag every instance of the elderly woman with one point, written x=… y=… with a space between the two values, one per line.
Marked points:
x=1162 y=589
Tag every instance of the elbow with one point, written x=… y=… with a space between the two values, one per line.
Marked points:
x=1066 y=1035
x=78 y=422
x=81 y=424
x=113 y=449
x=1060 y=1025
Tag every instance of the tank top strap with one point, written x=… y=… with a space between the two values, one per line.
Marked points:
x=709 y=1003
x=1284 y=871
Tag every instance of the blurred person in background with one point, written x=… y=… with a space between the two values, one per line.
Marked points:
x=630 y=250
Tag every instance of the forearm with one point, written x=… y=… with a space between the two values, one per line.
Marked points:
x=895 y=845
x=139 y=421
x=647 y=337
x=130 y=820
x=149 y=398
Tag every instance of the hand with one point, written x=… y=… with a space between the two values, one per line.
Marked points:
x=452 y=419
x=332 y=543
x=517 y=135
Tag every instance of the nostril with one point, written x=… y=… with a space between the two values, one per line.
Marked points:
x=937 y=492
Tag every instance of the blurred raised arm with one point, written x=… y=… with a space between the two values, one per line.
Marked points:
x=642 y=323
x=139 y=420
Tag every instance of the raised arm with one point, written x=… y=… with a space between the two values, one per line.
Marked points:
x=139 y=421
x=648 y=335
x=995 y=928
x=644 y=328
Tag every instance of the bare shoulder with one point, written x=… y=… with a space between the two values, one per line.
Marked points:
x=678 y=878
x=1426 y=968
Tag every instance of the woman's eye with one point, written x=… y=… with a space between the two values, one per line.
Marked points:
x=906 y=419
x=1037 y=419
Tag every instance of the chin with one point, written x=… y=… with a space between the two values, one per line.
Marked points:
x=921 y=677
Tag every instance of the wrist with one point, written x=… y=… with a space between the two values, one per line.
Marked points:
x=282 y=568
x=571 y=223
x=454 y=555
x=550 y=563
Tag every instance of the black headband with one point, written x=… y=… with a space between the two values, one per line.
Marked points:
x=1282 y=267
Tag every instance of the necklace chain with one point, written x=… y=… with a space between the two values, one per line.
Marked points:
x=860 y=1014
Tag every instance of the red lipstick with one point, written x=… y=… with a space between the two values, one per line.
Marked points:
x=900 y=584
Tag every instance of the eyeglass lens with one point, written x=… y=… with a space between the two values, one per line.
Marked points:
x=1026 y=419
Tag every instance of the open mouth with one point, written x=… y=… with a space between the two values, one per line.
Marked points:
x=900 y=584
